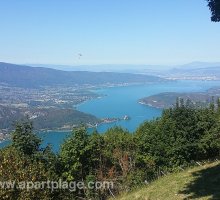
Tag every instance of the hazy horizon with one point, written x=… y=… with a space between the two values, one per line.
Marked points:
x=125 y=67
x=130 y=68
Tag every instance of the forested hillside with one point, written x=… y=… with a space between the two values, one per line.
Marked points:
x=45 y=118
x=182 y=136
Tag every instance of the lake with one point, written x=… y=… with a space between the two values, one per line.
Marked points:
x=120 y=101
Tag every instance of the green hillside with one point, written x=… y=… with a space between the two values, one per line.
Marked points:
x=201 y=182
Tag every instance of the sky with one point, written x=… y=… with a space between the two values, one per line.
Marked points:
x=162 y=32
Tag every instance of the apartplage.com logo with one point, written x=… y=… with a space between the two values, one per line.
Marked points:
x=56 y=185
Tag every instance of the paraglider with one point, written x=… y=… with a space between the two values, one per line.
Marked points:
x=79 y=55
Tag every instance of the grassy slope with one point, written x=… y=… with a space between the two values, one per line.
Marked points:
x=197 y=183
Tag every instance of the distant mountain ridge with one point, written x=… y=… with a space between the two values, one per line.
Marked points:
x=25 y=76
x=134 y=68
x=201 y=67
x=193 y=71
x=198 y=65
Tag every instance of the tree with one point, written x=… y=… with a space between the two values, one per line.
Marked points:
x=24 y=140
x=120 y=149
x=218 y=105
x=214 y=6
x=75 y=155
x=81 y=158
x=18 y=168
x=97 y=159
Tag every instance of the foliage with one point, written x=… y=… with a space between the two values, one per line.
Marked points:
x=75 y=155
x=24 y=139
x=17 y=167
x=183 y=135
x=24 y=162
x=214 y=6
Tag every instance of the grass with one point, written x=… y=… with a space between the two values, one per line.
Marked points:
x=201 y=182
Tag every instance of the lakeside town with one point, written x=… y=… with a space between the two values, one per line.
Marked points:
x=42 y=104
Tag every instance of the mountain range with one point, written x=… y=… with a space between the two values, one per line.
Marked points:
x=26 y=76
x=189 y=70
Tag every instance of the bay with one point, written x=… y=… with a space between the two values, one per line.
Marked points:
x=116 y=102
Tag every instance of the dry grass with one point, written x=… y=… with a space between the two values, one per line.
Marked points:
x=197 y=183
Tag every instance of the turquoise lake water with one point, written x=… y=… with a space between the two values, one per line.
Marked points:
x=120 y=101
